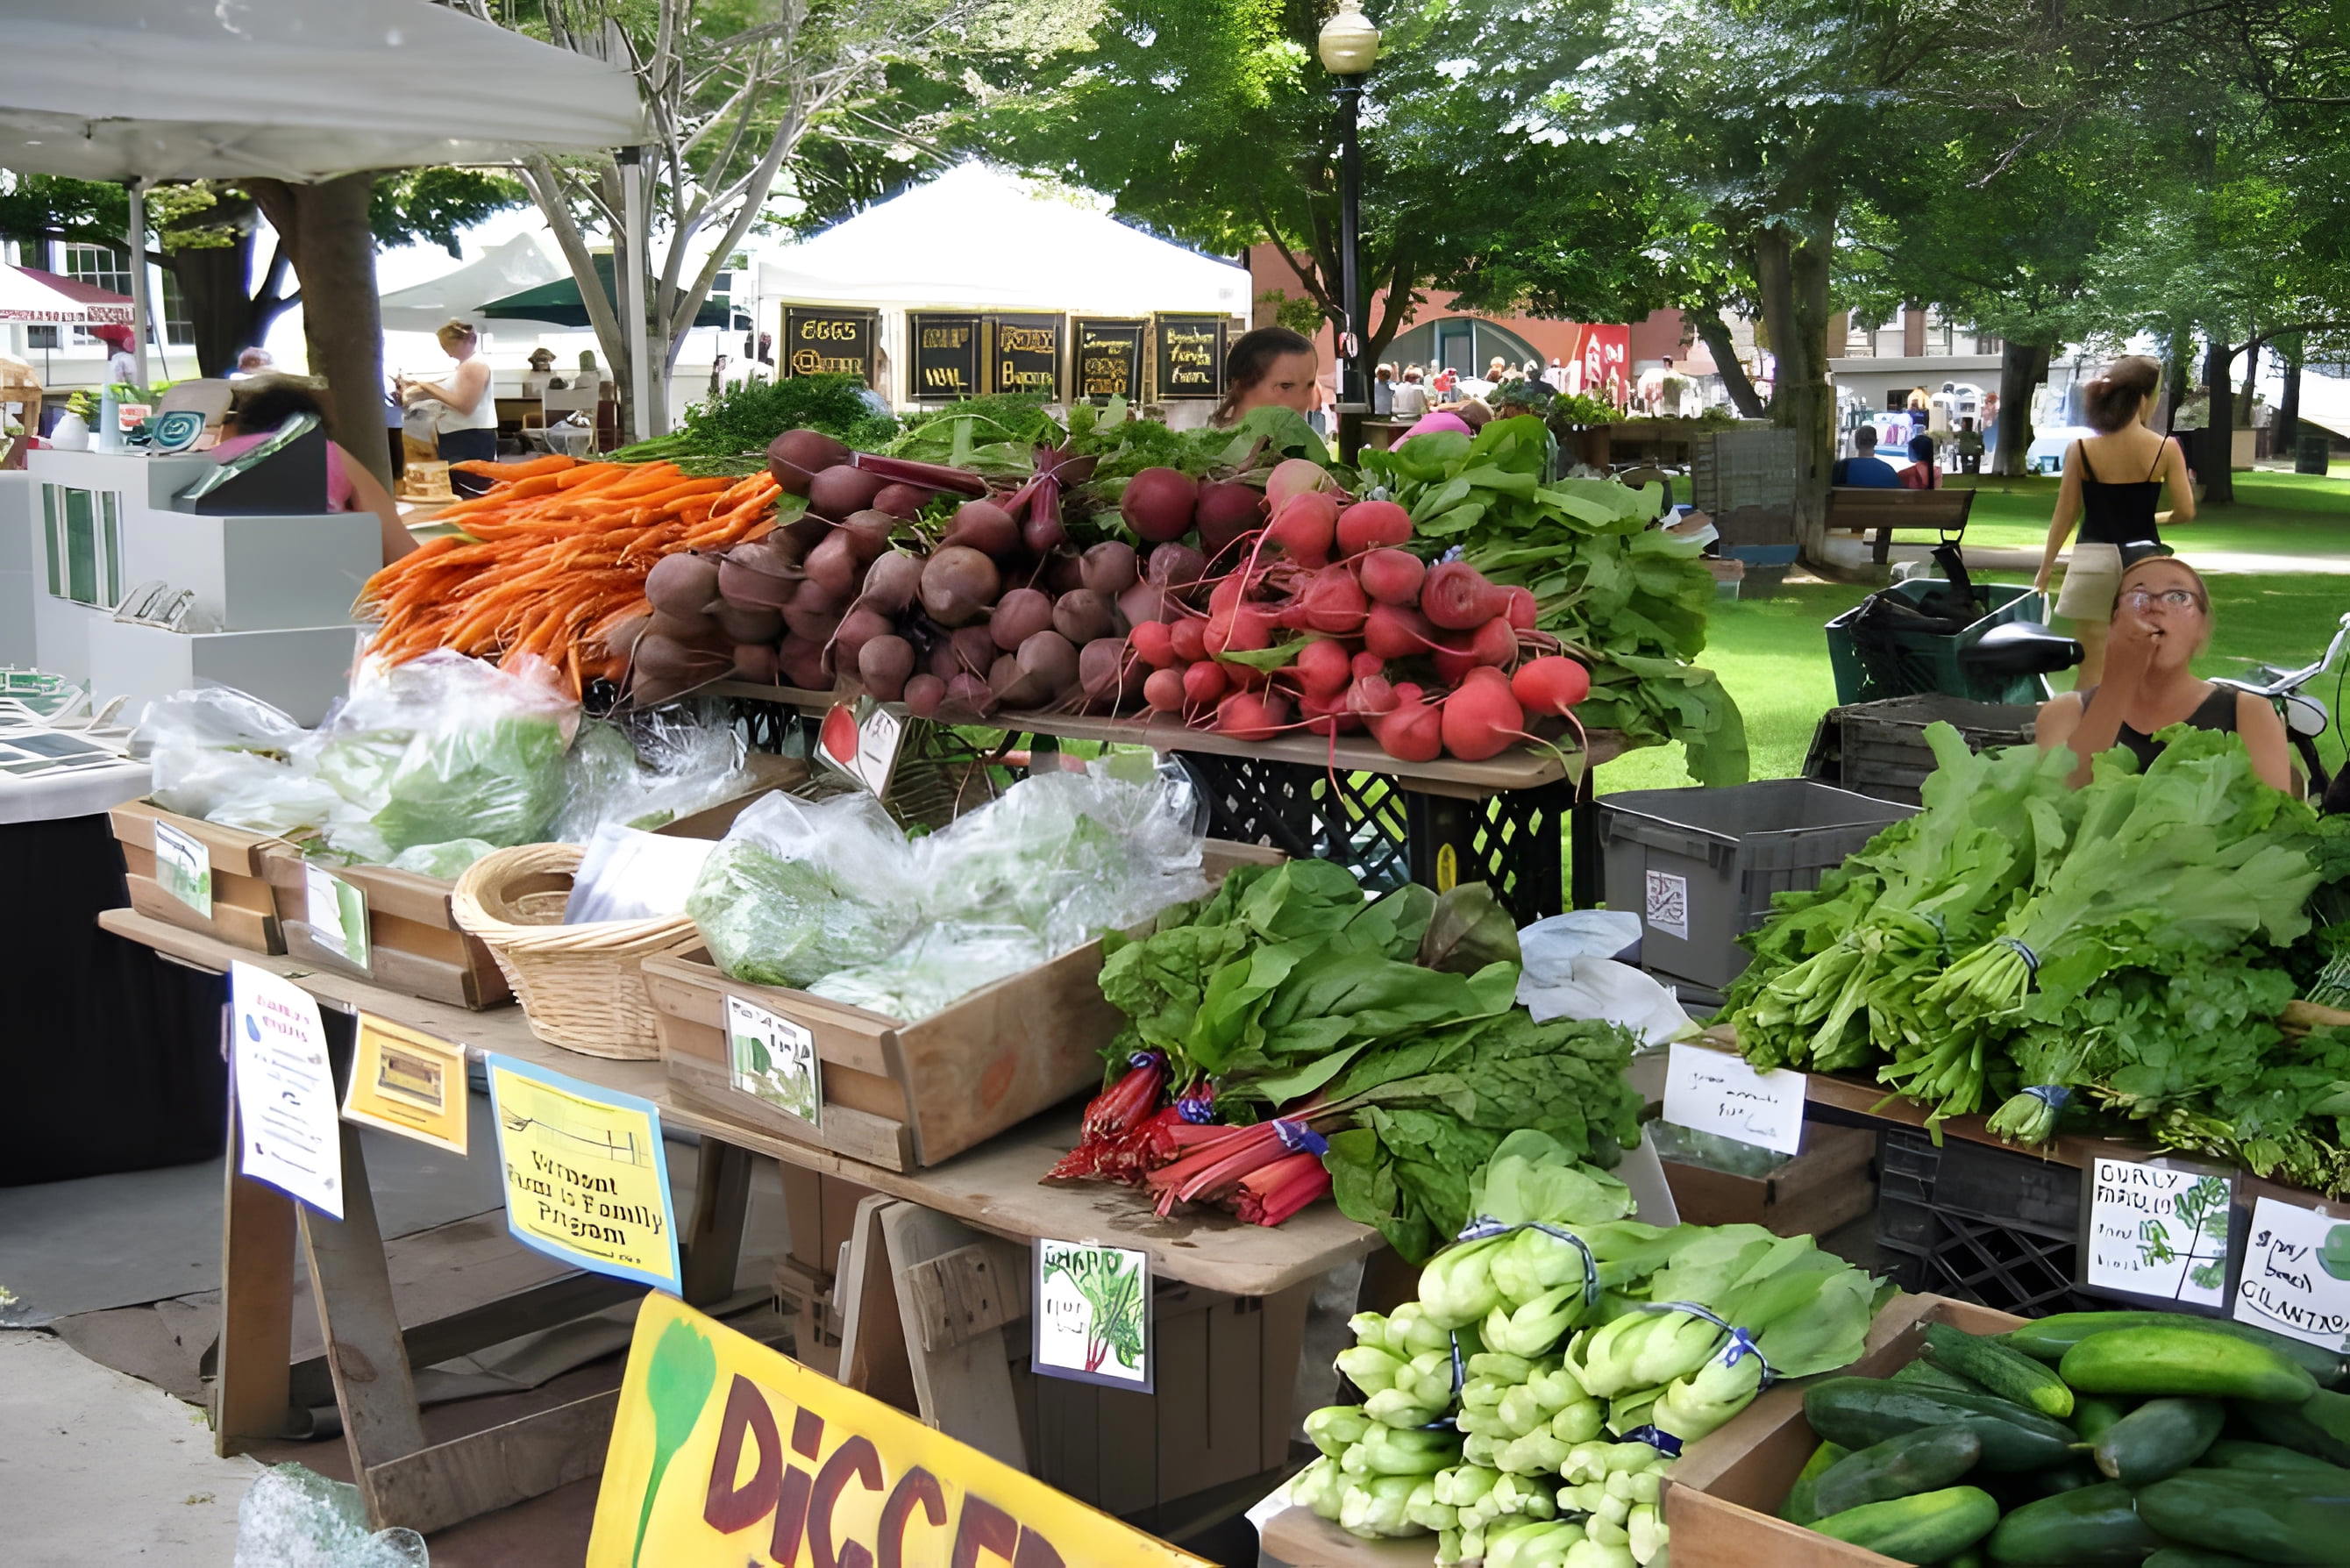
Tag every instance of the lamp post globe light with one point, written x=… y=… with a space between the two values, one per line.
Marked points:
x=1349 y=46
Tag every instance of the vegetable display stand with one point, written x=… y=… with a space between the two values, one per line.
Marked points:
x=1505 y=822
x=242 y=912
x=1872 y=664
x=911 y=1334
x=897 y=1095
x=1702 y=864
x=415 y=943
x=1879 y=749
x=1824 y=1186
x=1722 y=1497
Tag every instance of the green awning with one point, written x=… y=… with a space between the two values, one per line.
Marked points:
x=559 y=303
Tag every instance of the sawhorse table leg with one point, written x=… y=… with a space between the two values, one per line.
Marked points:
x=251 y=1401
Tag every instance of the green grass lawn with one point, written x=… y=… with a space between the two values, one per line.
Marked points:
x=1772 y=654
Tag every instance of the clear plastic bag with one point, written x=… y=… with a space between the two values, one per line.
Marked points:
x=293 y=1517
x=798 y=890
x=939 y=967
x=1070 y=854
x=646 y=774
x=230 y=758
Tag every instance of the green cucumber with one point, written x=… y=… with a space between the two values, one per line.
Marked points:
x=2169 y=1360
x=2161 y=1438
x=1802 y=1507
x=1860 y=1411
x=2287 y=1427
x=2092 y=1415
x=2060 y=1479
x=2329 y=1412
x=1926 y=1374
x=1928 y=1528
x=1972 y=1557
x=2196 y=1557
x=2087 y=1528
x=2048 y=1338
x=1926 y=1460
x=2235 y=1454
x=2005 y=1371
x=2284 y=1518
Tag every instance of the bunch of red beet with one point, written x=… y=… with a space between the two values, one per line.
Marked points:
x=1249 y=611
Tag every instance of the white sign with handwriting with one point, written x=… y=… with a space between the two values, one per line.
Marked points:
x=2156 y=1232
x=1714 y=1092
x=2296 y=1274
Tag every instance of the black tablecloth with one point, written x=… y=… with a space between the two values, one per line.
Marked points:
x=113 y=1053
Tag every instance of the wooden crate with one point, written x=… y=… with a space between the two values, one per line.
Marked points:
x=414 y=945
x=1826 y=1185
x=903 y=1096
x=244 y=913
x=1722 y=1497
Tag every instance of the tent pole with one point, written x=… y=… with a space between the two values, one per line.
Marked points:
x=135 y=240
x=632 y=289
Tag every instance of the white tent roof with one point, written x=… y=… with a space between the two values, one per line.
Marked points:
x=981 y=238
x=506 y=268
x=24 y=297
x=299 y=90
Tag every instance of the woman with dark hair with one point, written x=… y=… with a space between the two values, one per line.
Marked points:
x=1271 y=368
x=2161 y=619
x=1921 y=474
x=2113 y=481
x=263 y=404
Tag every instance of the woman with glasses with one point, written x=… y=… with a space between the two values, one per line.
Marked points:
x=2161 y=620
x=2114 y=481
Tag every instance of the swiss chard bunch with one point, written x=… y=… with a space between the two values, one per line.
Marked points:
x=1625 y=599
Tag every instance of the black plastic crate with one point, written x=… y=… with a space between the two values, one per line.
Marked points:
x=1515 y=842
x=1879 y=749
x=1981 y=1223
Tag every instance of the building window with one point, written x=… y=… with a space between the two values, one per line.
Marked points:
x=40 y=336
x=179 y=330
x=1986 y=343
x=107 y=266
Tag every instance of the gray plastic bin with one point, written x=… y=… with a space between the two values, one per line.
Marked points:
x=1700 y=864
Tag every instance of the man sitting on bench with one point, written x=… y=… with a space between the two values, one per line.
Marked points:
x=1864 y=467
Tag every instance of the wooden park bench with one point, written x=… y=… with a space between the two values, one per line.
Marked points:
x=1865 y=509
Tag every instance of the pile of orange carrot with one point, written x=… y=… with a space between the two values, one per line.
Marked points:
x=553 y=559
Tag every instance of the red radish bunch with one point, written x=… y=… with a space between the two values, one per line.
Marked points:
x=1253 y=612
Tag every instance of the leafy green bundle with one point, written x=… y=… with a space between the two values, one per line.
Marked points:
x=1627 y=600
x=2022 y=941
x=742 y=419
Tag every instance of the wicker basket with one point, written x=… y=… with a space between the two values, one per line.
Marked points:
x=580 y=986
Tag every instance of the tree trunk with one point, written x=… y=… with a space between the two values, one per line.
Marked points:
x=1792 y=270
x=2288 y=420
x=2021 y=367
x=2178 y=378
x=2218 y=444
x=2251 y=386
x=213 y=283
x=1714 y=333
x=325 y=228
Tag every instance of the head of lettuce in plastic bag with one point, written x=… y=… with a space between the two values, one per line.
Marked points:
x=446 y=747
x=800 y=890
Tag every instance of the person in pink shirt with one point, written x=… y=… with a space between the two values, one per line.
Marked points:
x=263 y=403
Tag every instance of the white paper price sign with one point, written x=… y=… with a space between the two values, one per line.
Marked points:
x=2155 y=1231
x=286 y=1110
x=862 y=743
x=2296 y=1274
x=184 y=868
x=1093 y=1314
x=774 y=1059
x=337 y=914
x=1714 y=1092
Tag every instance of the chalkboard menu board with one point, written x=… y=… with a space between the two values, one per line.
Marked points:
x=1024 y=354
x=1108 y=358
x=826 y=342
x=947 y=360
x=1190 y=356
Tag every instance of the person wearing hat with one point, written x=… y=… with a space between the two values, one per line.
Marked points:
x=121 y=365
x=469 y=419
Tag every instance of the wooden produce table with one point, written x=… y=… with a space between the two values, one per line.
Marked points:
x=1447 y=821
x=929 y=1285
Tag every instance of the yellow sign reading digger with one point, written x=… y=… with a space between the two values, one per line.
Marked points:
x=725 y=1453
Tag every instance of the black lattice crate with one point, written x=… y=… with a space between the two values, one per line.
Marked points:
x=1514 y=841
x=1979 y=1223
x=1882 y=745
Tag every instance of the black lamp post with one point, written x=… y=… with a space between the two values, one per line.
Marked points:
x=1349 y=45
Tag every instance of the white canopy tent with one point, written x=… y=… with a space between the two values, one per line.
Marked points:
x=297 y=90
x=507 y=267
x=982 y=238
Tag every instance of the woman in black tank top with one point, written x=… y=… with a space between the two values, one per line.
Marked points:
x=2162 y=619
x=2103 y=493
